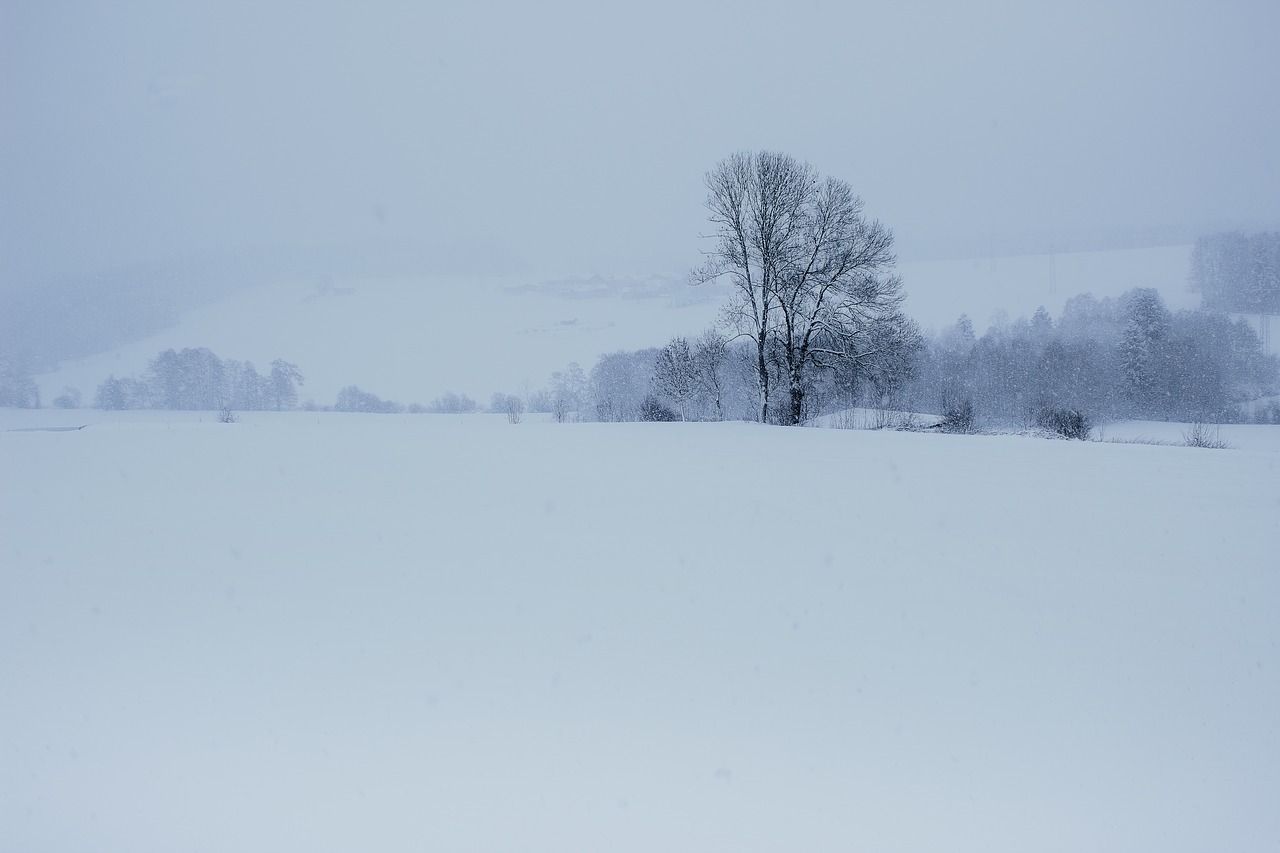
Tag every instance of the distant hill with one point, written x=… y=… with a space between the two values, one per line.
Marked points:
x=412 y=339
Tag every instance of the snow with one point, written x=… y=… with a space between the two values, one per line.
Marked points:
x=413 y=340
x=939 y=292
x=332 y=632
x=1237 y=436
x=340 y=632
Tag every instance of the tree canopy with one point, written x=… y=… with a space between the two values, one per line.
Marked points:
x=812 y=276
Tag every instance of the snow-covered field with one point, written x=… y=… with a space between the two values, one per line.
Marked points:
x=358 y=632
x=413 y=340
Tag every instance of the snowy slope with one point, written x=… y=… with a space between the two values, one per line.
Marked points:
x=340 y=632
x=938 y=293
x=414 y=340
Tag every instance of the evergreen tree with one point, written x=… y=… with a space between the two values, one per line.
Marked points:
x=1143 y=354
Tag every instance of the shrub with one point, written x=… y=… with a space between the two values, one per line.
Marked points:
x=1204 y=435
x=1068 y=423
x=958 y=415
x=651 y=409
x=514 y=407
x=69 y=399
x=895 y=420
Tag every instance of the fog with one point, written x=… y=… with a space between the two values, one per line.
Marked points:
x=564 y=137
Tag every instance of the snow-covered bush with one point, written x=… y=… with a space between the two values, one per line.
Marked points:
x=651 y=409
x=1068 y=423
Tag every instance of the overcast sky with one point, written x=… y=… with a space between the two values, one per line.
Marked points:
x=573 y=137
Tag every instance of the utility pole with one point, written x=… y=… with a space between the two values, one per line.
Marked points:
x=1053 y=271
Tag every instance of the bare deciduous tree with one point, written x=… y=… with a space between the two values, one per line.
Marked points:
x=710 y=352
x=568 y=387
x=811 y=275
x=675 y=374
x=514 y=408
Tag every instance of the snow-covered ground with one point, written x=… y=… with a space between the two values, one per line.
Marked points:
x=413 y=340
x=360 y=632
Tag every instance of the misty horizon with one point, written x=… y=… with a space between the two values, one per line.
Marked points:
x=500 y=139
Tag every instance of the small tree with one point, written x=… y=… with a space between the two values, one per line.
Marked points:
x=248 y=391
x=166 y=379
x=710 y=352
x=68 y=399
x=110 y=395
x=1142 y=349
x=568 y=388
x=452 y=404
x=675 y=373
x=119 y=394
x=515 y=407
x=618 y=384
x=282 y=385
x=512 y=405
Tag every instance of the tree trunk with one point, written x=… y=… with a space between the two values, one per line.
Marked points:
x=797 y=402
x=763 y=367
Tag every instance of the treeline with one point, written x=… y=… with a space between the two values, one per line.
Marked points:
x=197 y=380
x=707 y=378
x=1238 y=273
x=1116 y=358
x=1124 y=358
x=1102 y=359
x=352 y=399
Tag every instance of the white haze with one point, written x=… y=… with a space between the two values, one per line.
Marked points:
x=572 y=137
x=396 y=337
